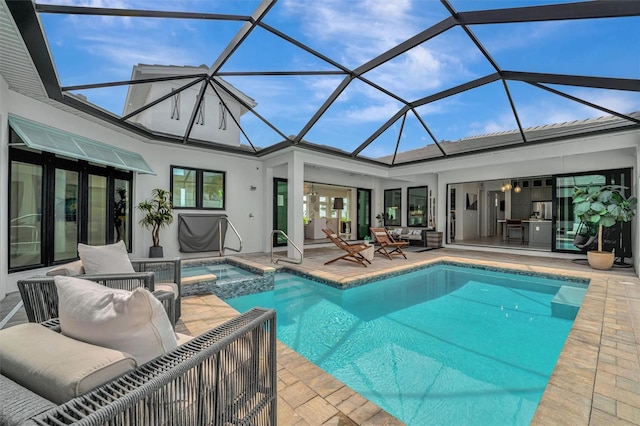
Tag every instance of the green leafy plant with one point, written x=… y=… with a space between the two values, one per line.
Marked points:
x=603 y=206
x=158 y=213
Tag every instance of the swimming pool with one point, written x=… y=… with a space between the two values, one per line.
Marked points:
x=445 y=345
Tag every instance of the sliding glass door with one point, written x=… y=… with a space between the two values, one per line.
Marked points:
x=570 y=235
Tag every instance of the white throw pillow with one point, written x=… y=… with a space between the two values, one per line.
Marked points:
x=107 y=259
x=128 y=321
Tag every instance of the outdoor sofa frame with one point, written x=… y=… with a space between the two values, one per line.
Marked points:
x=224 y=376
x=40 y=296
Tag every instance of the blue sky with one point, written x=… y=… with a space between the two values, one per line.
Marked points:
x=100 y=49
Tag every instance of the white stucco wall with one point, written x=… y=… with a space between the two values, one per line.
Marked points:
x=159 y=118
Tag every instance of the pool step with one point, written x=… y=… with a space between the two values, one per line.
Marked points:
x=567 y=301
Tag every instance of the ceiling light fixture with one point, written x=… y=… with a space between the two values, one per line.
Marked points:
x=313 y=191
x=517 y=189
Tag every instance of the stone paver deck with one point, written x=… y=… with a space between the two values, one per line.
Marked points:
x=596 y=380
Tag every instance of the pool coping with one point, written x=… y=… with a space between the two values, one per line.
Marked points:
x=343 y=283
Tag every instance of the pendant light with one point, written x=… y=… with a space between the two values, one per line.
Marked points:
x=517 y=189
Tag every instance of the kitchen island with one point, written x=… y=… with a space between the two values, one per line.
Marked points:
x=536 y=231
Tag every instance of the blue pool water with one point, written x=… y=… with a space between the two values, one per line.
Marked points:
x=444 y=345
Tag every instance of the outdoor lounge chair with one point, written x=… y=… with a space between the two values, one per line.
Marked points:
x=388 y=246
x=353 y=251
x=225 y=376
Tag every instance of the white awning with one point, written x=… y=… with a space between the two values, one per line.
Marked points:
x=49 y=139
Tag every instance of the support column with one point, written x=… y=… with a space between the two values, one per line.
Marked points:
x=267 y=173
x=295 y=224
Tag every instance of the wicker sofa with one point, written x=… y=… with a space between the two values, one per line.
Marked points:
x=224 y=376
x=415 y=236
x=423 y=237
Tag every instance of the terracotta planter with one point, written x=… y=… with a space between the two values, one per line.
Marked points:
x=602 y=260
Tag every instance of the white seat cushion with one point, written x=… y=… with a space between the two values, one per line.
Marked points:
x=69 y=269
x=129 y=321
x=57 y=367
x=107 y=259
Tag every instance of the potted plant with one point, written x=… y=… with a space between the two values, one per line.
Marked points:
x=157 y=214
x=602 y=206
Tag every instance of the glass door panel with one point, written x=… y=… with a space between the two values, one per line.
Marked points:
x=569 y=234
x=363 y=213
x=280 y=205
x=65 y=231
x=122 y=212
x=25 y=222
x=97 y=218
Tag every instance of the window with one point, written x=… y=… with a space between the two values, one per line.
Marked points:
x=54 y=203
x=418 y=206
x=392 y=207
x=197 y=188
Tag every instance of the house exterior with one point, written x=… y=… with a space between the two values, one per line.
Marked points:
x=249 y=179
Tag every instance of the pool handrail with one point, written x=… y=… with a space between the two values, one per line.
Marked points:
x=233 y=228
x=285 y=259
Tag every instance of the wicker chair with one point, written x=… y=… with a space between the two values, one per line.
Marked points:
x=166 y=275
x=224 y=376
x=167 y=271
x=40 y=296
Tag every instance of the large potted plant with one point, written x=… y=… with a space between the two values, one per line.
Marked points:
x=602 y=206
x=158 y=213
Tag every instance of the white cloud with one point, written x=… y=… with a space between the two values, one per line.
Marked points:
x=379 y=113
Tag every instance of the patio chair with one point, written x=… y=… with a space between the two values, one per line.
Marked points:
x=353 y=251
x=388 y=246
x=40 y=296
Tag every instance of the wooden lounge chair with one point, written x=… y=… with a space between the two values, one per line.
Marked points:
x=388 y=246
x=353 y=251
